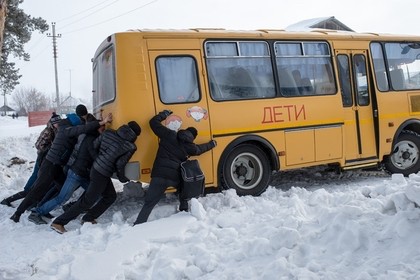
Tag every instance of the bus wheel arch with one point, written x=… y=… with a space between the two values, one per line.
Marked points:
x=247 y=164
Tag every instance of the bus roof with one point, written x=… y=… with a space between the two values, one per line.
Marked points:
x=212 y=32
x=220 y=33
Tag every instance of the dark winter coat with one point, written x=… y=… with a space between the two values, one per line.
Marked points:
x=115 y=149
x=174 y=148
x=66 y=138
x=45 y=139
x=83 y=155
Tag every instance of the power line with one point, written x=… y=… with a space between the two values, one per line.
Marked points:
x=34 y=57
x=40 y=39
x=94 y=12
x=81 y=12
x=107 y=20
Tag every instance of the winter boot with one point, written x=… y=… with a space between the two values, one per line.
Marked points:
x=183 y=205
x=36 y=219
x=15 y=218
x=58 y=228
x=67 y=206
x=8 y=201
x=48 y=216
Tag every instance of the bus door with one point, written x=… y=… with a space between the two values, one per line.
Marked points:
x=359 y=132
x=178 y=86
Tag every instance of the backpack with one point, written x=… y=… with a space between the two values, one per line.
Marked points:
x=192 y=184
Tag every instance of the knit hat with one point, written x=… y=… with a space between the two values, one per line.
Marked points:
x=55 y=118
x=81 y=110
x=74 y=119
x=135 y=127
x=193 y=131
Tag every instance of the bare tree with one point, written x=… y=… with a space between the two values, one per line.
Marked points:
x=30 y=100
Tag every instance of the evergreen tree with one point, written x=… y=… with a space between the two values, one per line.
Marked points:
x=18 y=29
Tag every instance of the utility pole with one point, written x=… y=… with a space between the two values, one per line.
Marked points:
x=70 y=81
x=4 y=101
x=54 y=39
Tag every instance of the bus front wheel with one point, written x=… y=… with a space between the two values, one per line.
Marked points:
x=247 y=170
x=405 y=154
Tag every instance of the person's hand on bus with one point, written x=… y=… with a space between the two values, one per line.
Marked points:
x=107 y=119
x=213 y=143
x=166 y=113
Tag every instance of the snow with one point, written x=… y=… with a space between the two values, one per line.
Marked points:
x=314 y=225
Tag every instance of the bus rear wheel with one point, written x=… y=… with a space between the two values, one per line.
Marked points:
x=247 y=170
x=405 y=154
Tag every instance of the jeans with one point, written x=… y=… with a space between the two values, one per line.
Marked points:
x=100 y=191
x=34 y=175
x=73 y=181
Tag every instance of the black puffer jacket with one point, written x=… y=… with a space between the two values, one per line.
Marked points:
x=174 y=148
x=84 y=154
x=115 y=150
x=65 y=139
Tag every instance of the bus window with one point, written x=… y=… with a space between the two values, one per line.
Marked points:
x=104 y=81
x=403 y=65
x=239 y=70
x=312 y=60
x=345 y=82
x=379 y=67
x=362 y=89
x=177 y=79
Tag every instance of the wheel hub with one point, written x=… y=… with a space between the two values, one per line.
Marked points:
x=406 y=155
x=241 y=170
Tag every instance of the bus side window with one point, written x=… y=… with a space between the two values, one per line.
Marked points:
x=312 y=60
x=243 y=84
x=381 y=81
x=397 y=79
x=379 y=66
x=344 y=77
x=177 y=79
x=287 y=83
x=303 y=84
x=361 y=79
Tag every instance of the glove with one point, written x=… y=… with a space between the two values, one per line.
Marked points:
x=166 y=113
x=122 y=178
x=213 y=143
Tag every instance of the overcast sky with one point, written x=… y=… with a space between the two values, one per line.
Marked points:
x=83 y=25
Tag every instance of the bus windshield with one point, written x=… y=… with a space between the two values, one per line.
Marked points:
x=403 y=60
x=103 y=78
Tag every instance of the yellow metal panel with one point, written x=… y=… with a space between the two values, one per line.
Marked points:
x=300 y=146
x=329 y=143
x=415 y=103
x=171 y=44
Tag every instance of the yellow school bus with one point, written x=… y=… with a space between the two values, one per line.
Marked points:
x=273 y=100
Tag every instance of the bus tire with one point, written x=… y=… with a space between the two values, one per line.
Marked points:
x=405 y=154
x=247 y=170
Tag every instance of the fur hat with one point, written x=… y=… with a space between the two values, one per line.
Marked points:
x=193 y=131
x=81 y=110
x=55 y=118
x=135 y=127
